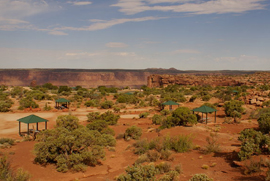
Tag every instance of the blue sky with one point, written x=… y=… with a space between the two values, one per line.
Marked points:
x=135 y=34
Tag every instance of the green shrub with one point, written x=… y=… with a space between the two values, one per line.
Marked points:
x=27 y=103
x=144 y=115
x=67 y=121
x=165 y=112
x=133 y=132
x=180 y=143
x=108 y=116
x=264 y=122
x=266 y=103
x=157 y=119
x=253 y=167
x=70 y=149
x=92 y=103
x=206 y=97
x=106 y=105
x=183 y=116
x=212 y=144
x=253 y=142
x=200 y=177
x=153 y=155
x=234 y=108
x=7 y=174
x=47 y=108
x=139 y=172
x=6 y=142
x=193 y=98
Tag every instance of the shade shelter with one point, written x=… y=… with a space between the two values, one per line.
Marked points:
x=31 y=119
x=62 y=102
x=206 y=110
x=170 y=103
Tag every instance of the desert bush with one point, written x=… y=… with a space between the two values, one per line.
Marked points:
x=126 y=98
x=139 y=172
x=108 y=116
x=157 y=119
x=180 y=143
x=5 y=106
x=17 y=91
x=200 y=177
x=67 y=121
x=163 y=167
x=144 y=115
x=142 y=159
x=92 y=116
x=174 y=96
x=6 y=142
x=264 y=122
x=116 y=109
x=183 y=116
x=47 y=108
x=70 y=148
x=266 y=103
x=153 y=155
x=193 y=98
x=133 y=132
x=234 y=108
x=27 y=103
x=62 y=89
x=91 y=103
x=253 y=142
x=50 y=86
x=149 y=172
x=206 y=97
x=106 y=105
x=212 y=144
x=107 y=89
x=7 y=174
x=165 y=112
x=253 y=167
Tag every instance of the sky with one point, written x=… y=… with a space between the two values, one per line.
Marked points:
x=135 y=34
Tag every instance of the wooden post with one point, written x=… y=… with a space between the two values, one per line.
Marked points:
x=37 y=127
x=19 y=128
x=215 y=116
x=28 y=128
x=46 y=125
x=206 y=118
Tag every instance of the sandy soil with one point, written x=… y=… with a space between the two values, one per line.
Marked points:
x=21 y=155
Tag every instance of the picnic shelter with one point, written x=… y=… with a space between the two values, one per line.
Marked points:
x=170 y=103
x=30 y=120
x=206 y=110
x=62 y=103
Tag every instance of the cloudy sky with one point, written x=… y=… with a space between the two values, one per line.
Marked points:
x=135 y=34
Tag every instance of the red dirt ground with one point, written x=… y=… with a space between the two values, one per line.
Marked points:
x=21 y=155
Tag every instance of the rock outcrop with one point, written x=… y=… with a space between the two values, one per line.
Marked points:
x=157 y=80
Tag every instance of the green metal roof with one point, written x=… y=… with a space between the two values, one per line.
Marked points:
x=170 y=103
x=32 y=119
x=204 y=109
x=62 y=100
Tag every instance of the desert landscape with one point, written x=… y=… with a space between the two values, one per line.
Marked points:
x=131 y=120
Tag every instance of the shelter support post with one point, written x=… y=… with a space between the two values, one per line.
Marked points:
x=46 y=125
x=37 y=126
x=206 y=117
x=28 y=128
x=215 y=116
x=19 y=128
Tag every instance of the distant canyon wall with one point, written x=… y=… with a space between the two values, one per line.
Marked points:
x=72 y=78
x=258 y=78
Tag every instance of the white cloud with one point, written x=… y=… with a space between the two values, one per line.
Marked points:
x=80 y=3
x=59 y=33
x=17 y=9
x=186 y=51
x=116 y=45
x=187 y=6
x=99 y=25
